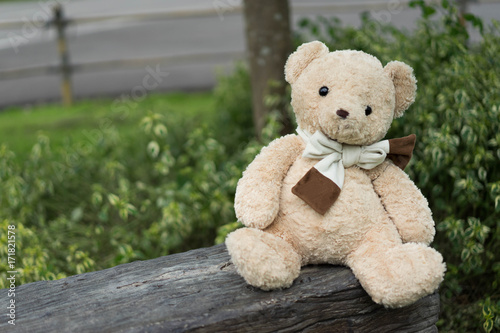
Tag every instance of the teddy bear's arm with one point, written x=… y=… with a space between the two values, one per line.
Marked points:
x=258 y=192
x=405 y=204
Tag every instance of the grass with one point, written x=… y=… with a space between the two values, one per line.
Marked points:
x=20 y=127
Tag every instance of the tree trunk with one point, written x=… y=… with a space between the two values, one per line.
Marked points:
x=462 y=10
x=268 y=43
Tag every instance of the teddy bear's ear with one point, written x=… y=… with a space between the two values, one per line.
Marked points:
x=301 y=58
x=404 y=83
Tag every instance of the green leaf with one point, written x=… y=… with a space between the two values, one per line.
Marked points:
x=465 y=254
x=477 y=249
x=467 y=134
x=474 y=222
x=415 y=3
x=488 y=326
x=428 y=11
x=147 y=124
x=483 y=233
x=77 y=214
x=304 y=22
x=482 y=173
x=131 y=209
x=160 y=130
x=113 y=199
x=96 y=199
x=153 y=149
x=487 y=314
x=123 y=212
x=476 y=21
x=469 y=232
x=103 y=214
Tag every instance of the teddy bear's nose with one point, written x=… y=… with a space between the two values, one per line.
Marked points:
x=342 y=113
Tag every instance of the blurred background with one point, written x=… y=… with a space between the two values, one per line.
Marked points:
x=125 y=125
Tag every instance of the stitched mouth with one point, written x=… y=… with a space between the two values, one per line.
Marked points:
x=348 y=132
x=326 y=133
x=347 y=128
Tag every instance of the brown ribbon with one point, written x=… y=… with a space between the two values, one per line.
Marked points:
x=320 y=192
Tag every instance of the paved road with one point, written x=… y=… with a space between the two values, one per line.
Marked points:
x=116 y=39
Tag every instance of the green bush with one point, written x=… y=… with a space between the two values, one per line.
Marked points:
x=233 y=98
x=114 y=195
x=456 y=117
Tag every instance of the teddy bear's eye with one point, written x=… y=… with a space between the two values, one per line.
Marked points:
x=368 y=110
x=323 y=91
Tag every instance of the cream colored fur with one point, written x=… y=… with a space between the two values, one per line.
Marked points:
x=381 y=224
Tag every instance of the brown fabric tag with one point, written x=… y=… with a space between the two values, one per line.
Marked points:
x=317 y=191
x=401 y=150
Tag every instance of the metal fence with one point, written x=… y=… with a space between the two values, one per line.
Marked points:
x=66 y=69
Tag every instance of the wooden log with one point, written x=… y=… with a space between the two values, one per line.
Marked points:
x=200 y=291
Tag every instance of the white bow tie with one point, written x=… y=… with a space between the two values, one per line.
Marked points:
x=335 y=157
x=321 y=185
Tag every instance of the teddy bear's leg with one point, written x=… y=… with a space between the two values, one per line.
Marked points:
x=264 y=260
x=396 y=274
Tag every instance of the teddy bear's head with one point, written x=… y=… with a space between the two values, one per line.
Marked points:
x=348 y=95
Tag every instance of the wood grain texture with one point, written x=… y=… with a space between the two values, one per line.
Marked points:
x=200 y=291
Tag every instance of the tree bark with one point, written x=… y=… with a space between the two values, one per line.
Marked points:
x=200 y=291
x=269 y=43
x=462 y=10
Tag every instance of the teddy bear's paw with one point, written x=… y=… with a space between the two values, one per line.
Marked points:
x=401 y=275
x=262 y=259
x=257 y=215
x=417 y=272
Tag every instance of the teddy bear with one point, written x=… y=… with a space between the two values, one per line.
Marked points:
x=335 y=192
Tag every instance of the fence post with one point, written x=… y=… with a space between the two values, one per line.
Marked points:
x=65 y=67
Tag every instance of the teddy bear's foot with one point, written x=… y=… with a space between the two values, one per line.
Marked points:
x=400 y=275
x=264 y=260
